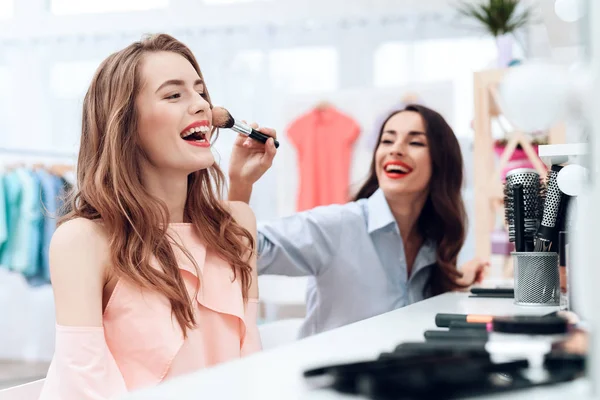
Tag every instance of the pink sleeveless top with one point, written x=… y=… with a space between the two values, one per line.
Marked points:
x=141 y=344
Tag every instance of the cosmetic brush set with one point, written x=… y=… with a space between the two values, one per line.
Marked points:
x=454 y=363
x=535 y=212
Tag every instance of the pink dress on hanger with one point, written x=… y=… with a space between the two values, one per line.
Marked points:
x=141 y=344
x=324 y=140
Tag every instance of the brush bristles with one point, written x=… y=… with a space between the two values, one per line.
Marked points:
x=221 y=118
x=542 y=200
x=532 y=189
x=552 y=201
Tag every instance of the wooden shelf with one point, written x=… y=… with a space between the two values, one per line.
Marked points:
x=487 y=174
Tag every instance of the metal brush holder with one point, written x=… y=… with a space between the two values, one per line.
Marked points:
x=537 y=281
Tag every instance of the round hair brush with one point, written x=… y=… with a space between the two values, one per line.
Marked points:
x=515 y=216
x=223 y=119
x=529 y=179
x=548 y=229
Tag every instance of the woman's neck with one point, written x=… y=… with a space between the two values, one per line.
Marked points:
x=406 y=211
x=169 y=188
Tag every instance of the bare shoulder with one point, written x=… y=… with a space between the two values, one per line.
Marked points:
x=78 y=269
x=77 y=240
x=243 y=215
x=80 y=231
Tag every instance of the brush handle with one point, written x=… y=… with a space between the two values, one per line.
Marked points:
x=261 y=137
x=519 y=217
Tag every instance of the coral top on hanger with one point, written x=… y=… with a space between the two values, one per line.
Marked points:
x=324 y=140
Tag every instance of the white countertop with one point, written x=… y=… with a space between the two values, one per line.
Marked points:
x=277 y=373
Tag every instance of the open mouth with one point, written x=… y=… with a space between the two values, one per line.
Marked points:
x=397 y=170
x=196 y=134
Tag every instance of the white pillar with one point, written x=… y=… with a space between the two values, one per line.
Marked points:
x=590 y=254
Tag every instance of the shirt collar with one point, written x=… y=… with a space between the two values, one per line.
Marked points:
x=380 y=215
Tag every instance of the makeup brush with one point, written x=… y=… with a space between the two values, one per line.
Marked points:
x=223 y=119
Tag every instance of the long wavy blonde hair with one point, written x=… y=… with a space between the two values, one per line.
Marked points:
x=109 y=187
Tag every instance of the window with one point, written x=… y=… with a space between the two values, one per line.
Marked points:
x=71 y=79
x=7 y=9
x=5 y=104
x=68 y=83
x=455 y=60
x=244 y=76
x=304 y=70
x=69 y=7
x=392 y=64
x=438 y=60
x=242 y=92
x=219 y=2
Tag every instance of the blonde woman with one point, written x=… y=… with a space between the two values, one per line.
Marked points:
x=153 y=274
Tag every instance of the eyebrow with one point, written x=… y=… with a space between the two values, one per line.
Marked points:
x=177 y=82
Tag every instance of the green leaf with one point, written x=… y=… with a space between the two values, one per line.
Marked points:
x=496 y=16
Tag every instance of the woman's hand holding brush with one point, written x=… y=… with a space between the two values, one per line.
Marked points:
x=250 y=159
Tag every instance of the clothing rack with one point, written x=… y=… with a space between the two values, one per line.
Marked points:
x=37 y=153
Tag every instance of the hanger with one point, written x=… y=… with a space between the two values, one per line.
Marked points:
x=60 y=169
x=13 y=166
x=323 y=105
x=410 y=98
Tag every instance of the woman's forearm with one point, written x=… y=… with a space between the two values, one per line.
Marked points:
x=239 y=192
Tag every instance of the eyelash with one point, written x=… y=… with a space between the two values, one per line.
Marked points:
x=203 y=94
x=412 y=143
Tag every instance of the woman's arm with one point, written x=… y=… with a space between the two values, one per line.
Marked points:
x=244 y=216
x=301 y=244
x=82 y=367
x=78 y=258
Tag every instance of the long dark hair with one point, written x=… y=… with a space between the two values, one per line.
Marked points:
x=443 y=218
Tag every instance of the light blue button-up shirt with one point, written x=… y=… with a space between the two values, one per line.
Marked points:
x=354 y=256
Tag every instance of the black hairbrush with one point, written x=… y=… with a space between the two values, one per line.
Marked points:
x=515 y=215
x=548 y=230
x=529 y=182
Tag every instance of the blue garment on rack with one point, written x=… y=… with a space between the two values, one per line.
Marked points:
x=52 y=190
x=24 y=241
x=12 y=197
x=3 y=217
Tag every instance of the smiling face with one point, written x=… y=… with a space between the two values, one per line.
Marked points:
x=174 y=116
x=402 y=159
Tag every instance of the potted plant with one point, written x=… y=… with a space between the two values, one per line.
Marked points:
x=500 y=18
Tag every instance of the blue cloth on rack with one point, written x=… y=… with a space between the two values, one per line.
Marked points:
x=3 y=217
x=52 y=190
x=23 y=249
x=12 y=197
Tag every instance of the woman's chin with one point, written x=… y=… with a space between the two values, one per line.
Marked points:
x=201 y=161
x=400 y=190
